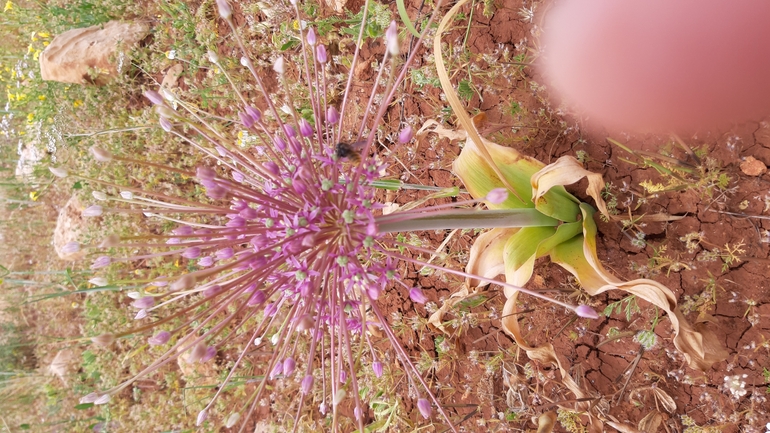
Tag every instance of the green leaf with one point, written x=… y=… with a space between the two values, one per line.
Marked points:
x=84 y=406
x=465 y=90
x=289 y=45
x=405 y=18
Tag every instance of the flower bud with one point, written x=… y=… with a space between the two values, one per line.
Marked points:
x=210 y=353
x=103 y=399
x=213 y=57
x=246 y=119
x=196 y=354
x=288 y=366
x=425 y=408
x=416 y=295
x=99 y=195
x=98 y=281
x=320 y=54
x=101 y=262
x=205 y=173
x=145 y=302
x=59 y=172
x=127 y=195
x=332 y=115
x=307 y=384
x=164 y=111
x=103 y=340
x=92 y=211
x=100 y=154
x=257 y=298
x=224 y=253
x=391 y=39
x=159 y=339
x=406 y=135
x=71 y=247
x=186 y=282
x=280 y=65
x=224 y=8
x=165 y=124
x=279 y=143
x=254 y=113
x=586 y=312
x=202 y=415
x=232 y=419
x=377 y=368
x=305 y=128
x=154 y=97
x=299 y=186
x=90 y=398
x=311 y=37
x=277 y=369
x=192 y=253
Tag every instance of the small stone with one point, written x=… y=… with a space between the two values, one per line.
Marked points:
x=753 y=167
x=94 y=55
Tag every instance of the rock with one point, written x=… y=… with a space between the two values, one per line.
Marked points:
x=337 y=5
x=753 y=167
x=69 y=227
x=171 y=78
x=94 y=55
x=29 y=156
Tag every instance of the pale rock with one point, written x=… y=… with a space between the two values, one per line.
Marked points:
x=171 y=78
x=753 y=167
x=70 y=225
x=94 y=55
x=337 y=5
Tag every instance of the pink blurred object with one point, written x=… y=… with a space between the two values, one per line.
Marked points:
x=660 y=65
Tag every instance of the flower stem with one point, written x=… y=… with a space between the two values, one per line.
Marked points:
x=464 y=219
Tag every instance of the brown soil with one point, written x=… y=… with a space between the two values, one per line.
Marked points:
x=486 y=383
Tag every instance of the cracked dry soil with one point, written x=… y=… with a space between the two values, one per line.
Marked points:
x=485 y=382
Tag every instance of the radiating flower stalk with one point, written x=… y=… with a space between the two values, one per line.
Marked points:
x=292 y=249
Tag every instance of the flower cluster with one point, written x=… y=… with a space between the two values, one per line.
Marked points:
x=290 y=250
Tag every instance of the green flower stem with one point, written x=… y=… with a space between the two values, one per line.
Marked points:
x=465 y=219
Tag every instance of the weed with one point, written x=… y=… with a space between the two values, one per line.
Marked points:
x=626 y=305
x=660 y=261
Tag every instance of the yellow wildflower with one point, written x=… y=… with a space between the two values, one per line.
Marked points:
x=41 y=97
x=30 y=117
x=34 y=195
x=77 y=103
x=36 y=55
x=44 y=35
x=8 y=6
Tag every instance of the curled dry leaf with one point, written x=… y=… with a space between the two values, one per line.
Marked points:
x=650 y=423
x=665 y=400
x=622 y=427
x=433 y=126
x=546 y=422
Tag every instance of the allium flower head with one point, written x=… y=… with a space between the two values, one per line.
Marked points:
x=289 y=250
